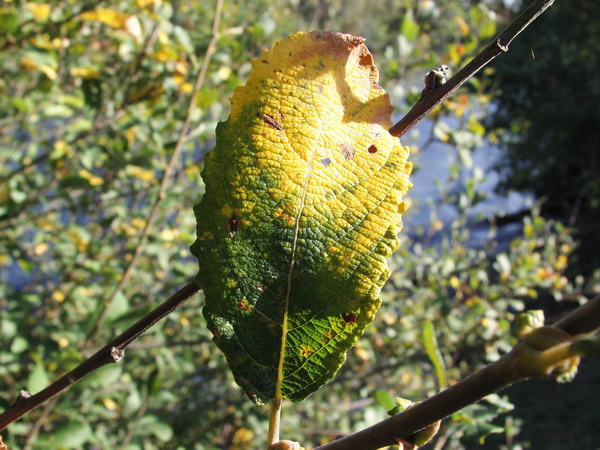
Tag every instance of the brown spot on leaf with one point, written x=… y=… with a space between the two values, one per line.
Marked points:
x=347 y=151
x=372 y=149
x=329 y=335
x=350 y=318
x=271 y=121
x=265 y=61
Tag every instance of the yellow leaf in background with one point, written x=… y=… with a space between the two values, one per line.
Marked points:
x=41 y=11
x=243 y=437
x=40 y=248
x=139 y=172
x=43 y=41
x=223 y=73
x=164 y=54
x=109 y=17
x=58 y=296
x=181 y=67
x=4 y=260
x=561 y=262
x=145 y=4
x=50 y=72
x=186 y=88
x=134 y=28
x=110 y=404
x=169 y=235
x=80 y=243
x=4 y=193
x=94 y=180
x=163 y=38
x=130 y=135
x=45 y=224
x=462 y=26
x=454 y=282
x=138 y=223
x=87 y=73
x=63 y=342
x=178 y=79
x=29 y=64
x=126 y=229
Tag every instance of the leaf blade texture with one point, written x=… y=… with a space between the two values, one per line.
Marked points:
x=303 y=203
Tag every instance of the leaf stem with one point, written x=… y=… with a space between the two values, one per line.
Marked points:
x=498 y=46
x=274 y=421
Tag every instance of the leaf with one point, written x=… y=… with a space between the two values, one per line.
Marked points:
x=304 y=196
x=433 y=352
x=72 y=434
x=115 y=19
x=38 y=379
x=409 y=28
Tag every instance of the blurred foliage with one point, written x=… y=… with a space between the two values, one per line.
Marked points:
x=92 y=98
x=553 y=140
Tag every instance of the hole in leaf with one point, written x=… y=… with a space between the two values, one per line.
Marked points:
x=347 y=151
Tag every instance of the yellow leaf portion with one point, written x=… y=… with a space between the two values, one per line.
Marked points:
x=115 y=19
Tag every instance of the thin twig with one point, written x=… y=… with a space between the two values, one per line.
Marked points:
x=166 y=178
x=497 y=47
x=490 y=379
x=39 y=422
x=110 y=353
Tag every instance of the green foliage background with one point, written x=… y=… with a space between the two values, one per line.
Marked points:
x=90 y=110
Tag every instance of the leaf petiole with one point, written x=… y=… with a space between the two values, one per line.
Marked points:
x=274 y=421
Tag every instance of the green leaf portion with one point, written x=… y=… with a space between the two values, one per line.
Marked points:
x=304 y=196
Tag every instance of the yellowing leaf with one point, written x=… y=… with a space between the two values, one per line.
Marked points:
x=41 y=11
x=462 y=26
x=87 y=73
x=58 y=296
x=94 y=180
x=169 y=234
x=110 y=404
x=109 y=17
x=303 y=202
x=139 y=172
x=28 y=63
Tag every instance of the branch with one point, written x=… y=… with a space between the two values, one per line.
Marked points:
x=166 y=178
x=111 y=353
x=512 y=367
x=495 y=48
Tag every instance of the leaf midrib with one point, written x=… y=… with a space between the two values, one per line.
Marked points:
x=284 y=328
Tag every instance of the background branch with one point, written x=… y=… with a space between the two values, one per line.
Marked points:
x=499 y=45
